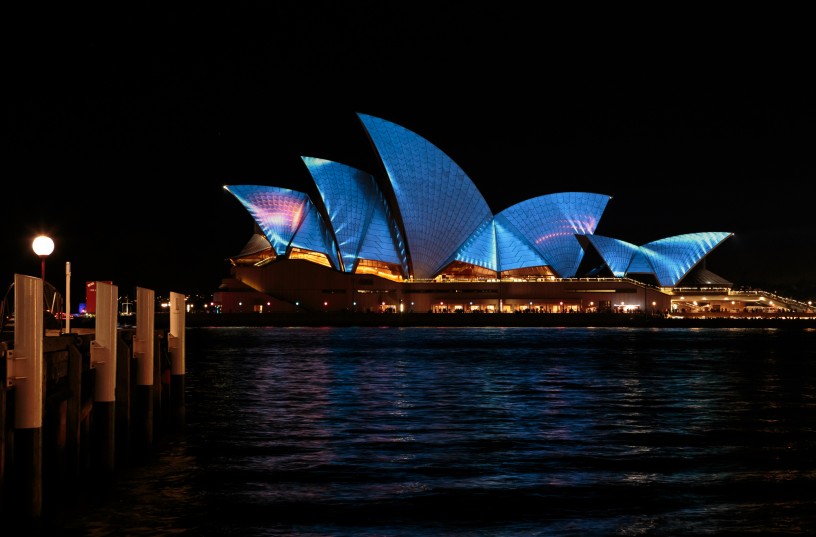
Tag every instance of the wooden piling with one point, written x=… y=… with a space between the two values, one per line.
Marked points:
x=3 y=427
x=104 y=441
x=142 y=421
x=156 y=387
x=177 y=404
x=27 y=479
x=124 y=374
x=73 y=425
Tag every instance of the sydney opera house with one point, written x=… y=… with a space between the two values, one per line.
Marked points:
x=419 y=236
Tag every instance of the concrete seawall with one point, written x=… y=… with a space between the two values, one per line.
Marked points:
x=491 y=319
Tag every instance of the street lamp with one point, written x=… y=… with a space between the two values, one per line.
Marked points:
x=43 y=246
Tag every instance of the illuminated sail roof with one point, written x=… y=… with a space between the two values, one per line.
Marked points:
x=287 y=219
x=514 y=250
x=480 y=248
x=426 y=214
x=617 y=254
x=549 y=224
x=439 y=205
x=669 y=259
x=357 y=213
x=674 y=257
x=277 y=211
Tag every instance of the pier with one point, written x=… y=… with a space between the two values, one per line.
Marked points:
x=78 y=405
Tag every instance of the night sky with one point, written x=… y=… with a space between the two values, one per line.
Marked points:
x=124 y=126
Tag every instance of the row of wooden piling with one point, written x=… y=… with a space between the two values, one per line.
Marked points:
x=83 y=442
x=104 y=401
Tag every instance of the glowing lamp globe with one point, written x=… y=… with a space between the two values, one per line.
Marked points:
x=43 y=245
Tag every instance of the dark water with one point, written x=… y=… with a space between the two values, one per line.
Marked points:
x=488 y=431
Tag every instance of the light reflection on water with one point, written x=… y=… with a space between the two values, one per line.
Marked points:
x=489 y=431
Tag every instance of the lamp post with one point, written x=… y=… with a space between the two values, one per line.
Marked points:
x=43 y=246
x=67 y=297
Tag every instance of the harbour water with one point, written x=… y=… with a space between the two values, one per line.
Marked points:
x=479 y=431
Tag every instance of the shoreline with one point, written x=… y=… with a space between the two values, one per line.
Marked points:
x=553 y=320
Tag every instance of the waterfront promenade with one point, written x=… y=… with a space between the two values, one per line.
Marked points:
x=710 y=320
